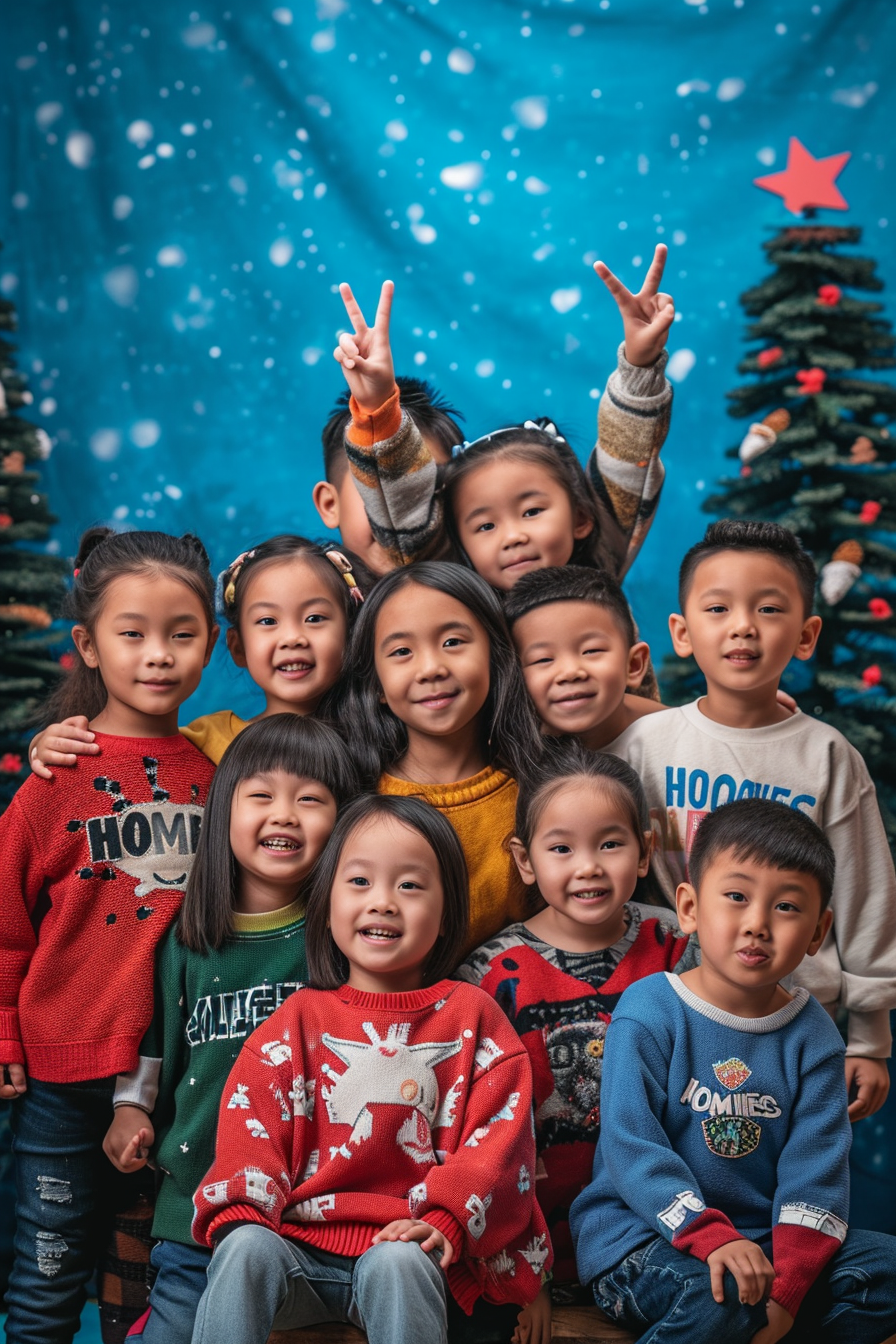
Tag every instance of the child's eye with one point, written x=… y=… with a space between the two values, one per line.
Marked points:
x=316 y=618
x=561 y=849
x=612 y=844
x=452 y=642
x=185 y=634
x=409 y=886
x=737 y=896
x=308 y=798
x=788 y=907
x=769 y=611
x=588 y=651
x=260 y=793
x=485 y=527
x=358 y=882
x=266 y=620
x=537 y=662
x=534 y=511
x=716 y=609
x=401 y=652
x=132 y=634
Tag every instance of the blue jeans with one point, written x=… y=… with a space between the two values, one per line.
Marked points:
x=66 y=1194
x=259 y=1281
x=181 y=1279
x=664 y=1296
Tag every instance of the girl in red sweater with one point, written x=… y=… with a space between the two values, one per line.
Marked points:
x=94 y=867
x=375 y=1148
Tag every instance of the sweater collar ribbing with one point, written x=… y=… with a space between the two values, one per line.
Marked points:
x=470 y=790
x=759 y=1026
x=409 y=1001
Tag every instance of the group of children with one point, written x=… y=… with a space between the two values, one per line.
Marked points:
x=365 y=980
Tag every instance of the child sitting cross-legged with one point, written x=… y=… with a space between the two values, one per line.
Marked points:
x=720 y=1195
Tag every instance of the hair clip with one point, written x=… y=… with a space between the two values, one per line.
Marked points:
x=228 y=591
x=550 y=429
x=75 y=573
x=343 y=566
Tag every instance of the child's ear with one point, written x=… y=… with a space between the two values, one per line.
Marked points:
x=638 y=663
x=821 y=932
x=521 y=859
x=644 y=863
x=84 y=644
x=326 y=500
x=686 y=905
x=678 y=629
x=235 y=645
x=808 y=638
x=583 y=526
x=212 y=641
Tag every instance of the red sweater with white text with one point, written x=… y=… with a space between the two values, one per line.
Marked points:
x=93 y=868
x=347 y=1110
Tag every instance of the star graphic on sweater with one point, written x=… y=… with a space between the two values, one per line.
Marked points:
x=185 y=1147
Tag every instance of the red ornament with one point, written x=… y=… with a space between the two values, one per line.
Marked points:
x=880 y=608
x=5 y=519
x=830 y=295
x=769 y=356
x=811 y=381
x=746 y=471
x=807 y=181
x=872 y=675
x=67 y=661
x=870 y=511
x=10 y=763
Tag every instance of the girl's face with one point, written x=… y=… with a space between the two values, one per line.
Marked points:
x=150 y=643
x=279 y=823
x=513 y=517
x=586 y=859
x=291 y=636
x=386 y=905
x=432 y=661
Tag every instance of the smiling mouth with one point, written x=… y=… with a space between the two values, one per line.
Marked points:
x=595 y=894
x=741 y=656
x=581 y=698
x=280 y=844
x=158 y=685
x=380 y=935
x=294 y=669
x=438 y=701
x=522 y=560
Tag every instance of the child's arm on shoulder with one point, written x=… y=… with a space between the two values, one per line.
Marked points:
x=61 y=744
x=393 y=469
x=633 y=418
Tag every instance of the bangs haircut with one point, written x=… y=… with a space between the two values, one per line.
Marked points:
x=302 y=746
x=430 y=411
x=328 y=968
x=570 y=583
x=510 y=733
x=739 y=534
x=771 y=834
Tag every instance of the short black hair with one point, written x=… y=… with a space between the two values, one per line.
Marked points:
x=570 y=583
x=430 y=411
x=771 y=834
x=745 y=534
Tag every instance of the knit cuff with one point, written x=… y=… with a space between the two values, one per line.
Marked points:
x=869 y=1035
x=371 y=427
x=640 y=382
x=447 y=1224
x=706 y=1234
x=140 y=1087
x=234 y=1213
x=799 y=1254
x=11 y=1051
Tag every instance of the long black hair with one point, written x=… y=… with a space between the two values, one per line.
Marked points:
x=104 y=556
x=510 y=733
x=328 y=968
x=298 y=745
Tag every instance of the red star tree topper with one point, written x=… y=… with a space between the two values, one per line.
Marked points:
x=807 y=182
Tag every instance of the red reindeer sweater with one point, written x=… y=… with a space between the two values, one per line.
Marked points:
x=347 y=1110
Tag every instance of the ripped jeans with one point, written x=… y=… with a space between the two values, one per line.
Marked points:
x=66 y=1194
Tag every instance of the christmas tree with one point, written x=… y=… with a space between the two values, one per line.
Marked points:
x=31 y=581
x=819 y=459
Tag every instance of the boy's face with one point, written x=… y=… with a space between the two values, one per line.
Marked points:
x=577 y=664
x=743 y=621
x=754 y=923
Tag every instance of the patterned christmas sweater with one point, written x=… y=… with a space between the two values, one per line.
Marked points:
x=398 y=479
x=717 y=1127
x=348 y=1110
x=94 y=869
x=206 y=1006
x=561 y=1004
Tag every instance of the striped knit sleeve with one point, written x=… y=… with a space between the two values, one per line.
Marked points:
x=624 y=468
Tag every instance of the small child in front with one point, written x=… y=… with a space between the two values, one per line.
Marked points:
x=746 y=594
x=720 y=1194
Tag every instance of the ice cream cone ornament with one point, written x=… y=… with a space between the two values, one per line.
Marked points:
x=759 y=438
x=841 y=572
x=863 y=450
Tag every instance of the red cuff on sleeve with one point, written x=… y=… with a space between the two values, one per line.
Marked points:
x=799 y=1255
x=370 y=427
x=448 y=1225
x=234 y=1213
x=11 y=1051
x=706 y=1234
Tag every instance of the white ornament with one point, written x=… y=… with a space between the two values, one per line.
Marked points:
x=837 y=577
x=758 y=439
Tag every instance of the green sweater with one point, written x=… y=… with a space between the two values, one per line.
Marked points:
x=206 y=1005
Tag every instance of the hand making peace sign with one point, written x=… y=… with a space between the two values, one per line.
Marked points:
x=366 y=356
x=646 y=316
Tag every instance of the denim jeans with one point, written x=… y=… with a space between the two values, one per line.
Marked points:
x=666 y=1294
x=259 y=1281
x=66 y=1194
x=181 y=1279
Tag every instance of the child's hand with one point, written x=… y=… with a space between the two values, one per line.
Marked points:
x=129 y=1138
x=12 y=1081
x=366 y=357
x=533 y=1325
x=753 y=1273
x=61 y=744
x=412 y=1229
x=646 y=316
x=870 y=1080
x=779 y=1323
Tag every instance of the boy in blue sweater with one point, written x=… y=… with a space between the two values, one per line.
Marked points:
x=720 y=1193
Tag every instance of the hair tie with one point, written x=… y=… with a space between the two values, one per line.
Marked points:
x=343 y=565
x=75 y=573
x=228 y=589
x=549 y=428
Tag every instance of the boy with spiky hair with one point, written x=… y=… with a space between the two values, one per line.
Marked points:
x=720 y=1196
x=745 y=595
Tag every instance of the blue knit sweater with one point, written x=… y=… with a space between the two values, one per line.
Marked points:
x=716 y=1127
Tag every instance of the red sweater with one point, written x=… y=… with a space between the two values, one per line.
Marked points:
x=349 y=1110
x=94 y=865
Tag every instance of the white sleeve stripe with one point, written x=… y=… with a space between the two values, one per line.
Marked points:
x=810 y=1215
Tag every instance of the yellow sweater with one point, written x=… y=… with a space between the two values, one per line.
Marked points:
x=482 y=810
x=213 y=733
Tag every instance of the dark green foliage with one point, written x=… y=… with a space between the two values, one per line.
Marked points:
x=812 y=483
x=31 y=581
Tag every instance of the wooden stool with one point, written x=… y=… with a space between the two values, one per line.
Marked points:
x=575 y=1325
